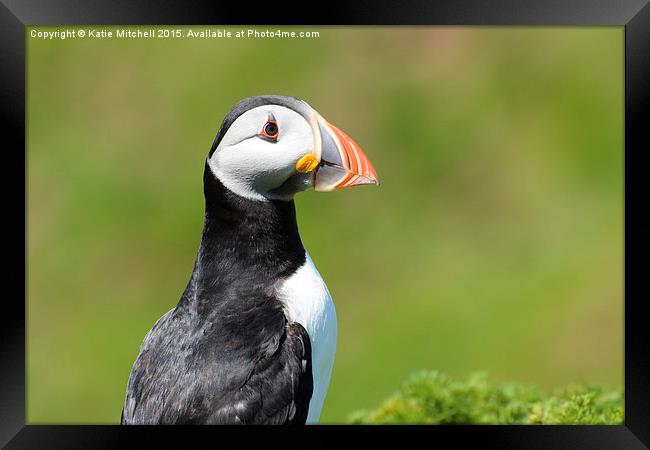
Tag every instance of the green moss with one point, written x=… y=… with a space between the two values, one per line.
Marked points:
x=431 y=397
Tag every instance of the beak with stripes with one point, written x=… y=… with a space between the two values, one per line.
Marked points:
x=341 y=162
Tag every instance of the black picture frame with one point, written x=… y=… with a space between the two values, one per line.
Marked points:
x=634 y=15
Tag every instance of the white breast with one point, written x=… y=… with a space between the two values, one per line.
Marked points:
x=308 y=302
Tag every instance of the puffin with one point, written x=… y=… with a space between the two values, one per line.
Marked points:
x=253 y=337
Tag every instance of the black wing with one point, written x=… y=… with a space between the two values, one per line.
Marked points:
x=279 y=388
x=258 y=372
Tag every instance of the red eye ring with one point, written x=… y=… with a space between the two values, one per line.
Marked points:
x=270 y=130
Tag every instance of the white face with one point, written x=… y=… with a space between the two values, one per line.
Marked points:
x=258 y=167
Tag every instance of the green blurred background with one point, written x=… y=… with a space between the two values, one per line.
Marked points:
x=494 y=242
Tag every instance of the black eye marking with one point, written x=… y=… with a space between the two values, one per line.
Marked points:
x=270 y=131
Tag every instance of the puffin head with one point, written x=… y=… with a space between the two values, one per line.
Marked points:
x=271 y=147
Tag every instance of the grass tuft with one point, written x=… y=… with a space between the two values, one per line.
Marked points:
x=431 y=397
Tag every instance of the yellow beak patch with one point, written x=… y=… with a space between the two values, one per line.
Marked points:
x=306 y=163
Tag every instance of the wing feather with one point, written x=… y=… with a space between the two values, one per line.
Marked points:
x=261 y=374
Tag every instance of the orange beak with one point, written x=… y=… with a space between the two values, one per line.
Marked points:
x=342 y=162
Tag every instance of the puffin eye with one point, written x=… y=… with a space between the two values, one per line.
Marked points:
x=270 y=130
